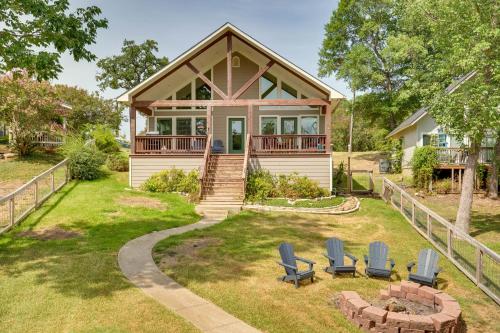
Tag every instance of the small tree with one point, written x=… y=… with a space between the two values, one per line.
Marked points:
x=423 y=162
x=136 y=63
x=28 y=107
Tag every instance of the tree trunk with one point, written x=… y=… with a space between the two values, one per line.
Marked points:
x=351 y=124
x=493 y=179
x=465 y=206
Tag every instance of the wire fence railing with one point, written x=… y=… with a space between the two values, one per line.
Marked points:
x=478 y=262
x=15 y=206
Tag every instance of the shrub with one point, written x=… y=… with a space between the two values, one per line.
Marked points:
x=104 y=139
x=339 y=176
x=423 y=163
x=443 y=186
x=262 y=185
x=4 y=140
x=85 y=160
x=117 y=162
x=173 y=180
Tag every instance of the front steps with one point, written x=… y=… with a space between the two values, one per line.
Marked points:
x=223 y=186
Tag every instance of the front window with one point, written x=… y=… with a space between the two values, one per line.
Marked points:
x=201 y=126
x=269 y=125
x=203 y=90
x=288 y=92
x=164 y=126
x=184 y=94
x=289 y=125
x=268 y=86
x=183 y=126
x=309 y=125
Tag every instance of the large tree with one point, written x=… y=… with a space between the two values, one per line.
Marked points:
x=89 y=108
x=28 y=106
x=34 y=33
x=464 y=37
x=363 y=45
x=136 y=63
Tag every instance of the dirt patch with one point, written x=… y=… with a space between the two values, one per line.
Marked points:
x=188 y=250
x=404 y=306
x=144 y=202
x=8 y=186
x=49 y=234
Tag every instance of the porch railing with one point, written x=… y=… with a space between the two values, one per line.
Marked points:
x=478 y=262
x=171 y=144
x=288 y=144
x=458 y=156
x=45 y=139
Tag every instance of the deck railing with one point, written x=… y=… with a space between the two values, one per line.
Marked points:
x=17 y=205
x=46 y=139
x=458 y=156
x=288 y=144
x=478 y=262
x=170 y=144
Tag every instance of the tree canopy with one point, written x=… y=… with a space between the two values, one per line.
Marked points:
x=136 y=63
x=89 y=108
x=35 y=33
x=364 y=45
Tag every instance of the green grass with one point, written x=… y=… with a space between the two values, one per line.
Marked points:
x=238 y=271
x=322 y=203
x=75 y=285
x=25 y=168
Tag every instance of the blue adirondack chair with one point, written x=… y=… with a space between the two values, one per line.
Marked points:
x=427 y=269
x=289 y=262
x=218 y=147
x=335 y=255
x=376 y=260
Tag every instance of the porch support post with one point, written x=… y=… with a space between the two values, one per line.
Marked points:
x=250 y=119
x=132 y=116
x=209 y=119
x=328 y=127
x=229 y=66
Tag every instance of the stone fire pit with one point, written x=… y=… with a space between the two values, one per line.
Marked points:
x=372 y=318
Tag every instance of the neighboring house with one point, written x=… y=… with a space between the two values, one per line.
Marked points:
x=231 y=95
x=420 y=129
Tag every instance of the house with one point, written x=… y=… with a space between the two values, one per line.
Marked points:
x=420 y=129
x=227 y=105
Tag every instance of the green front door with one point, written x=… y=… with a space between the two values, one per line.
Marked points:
x=236 y=137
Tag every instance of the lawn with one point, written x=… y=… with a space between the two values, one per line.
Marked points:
x=75 y=285
x=233 y=265
x=17 y=171
x=320 y=203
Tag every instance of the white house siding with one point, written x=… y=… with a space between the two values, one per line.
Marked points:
x=315 y=167
x=141 y=168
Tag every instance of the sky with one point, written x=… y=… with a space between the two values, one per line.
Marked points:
x=292 y=28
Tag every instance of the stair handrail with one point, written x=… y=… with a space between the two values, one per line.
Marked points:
x=204 y=164
x=247 y=154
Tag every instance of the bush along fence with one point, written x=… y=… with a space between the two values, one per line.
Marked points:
x=15 y=206
x=478 y=262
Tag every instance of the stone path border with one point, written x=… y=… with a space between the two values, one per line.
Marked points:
x=336 y=210
x=136 y=262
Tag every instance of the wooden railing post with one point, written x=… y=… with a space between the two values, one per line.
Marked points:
x=36 y=193
x=401 y=200
x=413 y=212
x=429 y=226
x=479 y=265
x=11 y=211
x=449 y=240
x=52 y=182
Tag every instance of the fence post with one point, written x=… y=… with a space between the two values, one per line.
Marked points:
x=11 y=211
x=449 y=240
x=372 y=185
x=36 y=193
x=401 y=200
x=413 y=211
x=479 y=265
x=52 y=182
x=383 y=190
x=429 y=226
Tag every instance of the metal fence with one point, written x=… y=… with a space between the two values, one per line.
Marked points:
x=17 y=205
x=474 y=259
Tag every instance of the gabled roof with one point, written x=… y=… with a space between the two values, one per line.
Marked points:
x=420 y=113
x=228 y=27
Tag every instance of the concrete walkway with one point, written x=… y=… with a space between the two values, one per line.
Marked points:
x=137 y=264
